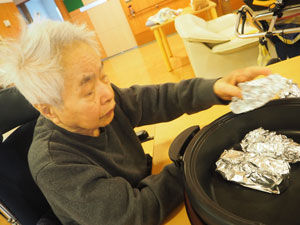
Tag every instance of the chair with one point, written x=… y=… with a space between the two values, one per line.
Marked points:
x=212 y=47
x=21 y=201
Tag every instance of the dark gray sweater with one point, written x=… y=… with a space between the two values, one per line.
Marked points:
x=106 y=180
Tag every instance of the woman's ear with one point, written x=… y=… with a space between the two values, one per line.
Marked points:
x=47 y=111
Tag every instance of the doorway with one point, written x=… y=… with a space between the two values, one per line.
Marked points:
x=39 y=9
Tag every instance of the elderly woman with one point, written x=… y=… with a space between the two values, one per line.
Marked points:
x=85 y=155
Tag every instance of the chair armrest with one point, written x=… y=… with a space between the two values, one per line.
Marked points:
x=192 y=28
x=235 y=45
x=222 y=22
x=143 y=136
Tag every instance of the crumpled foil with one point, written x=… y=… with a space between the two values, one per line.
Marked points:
x=263 y=163
x=265 y=143
x=291 y=91
x=253 y=171
x=257 y=93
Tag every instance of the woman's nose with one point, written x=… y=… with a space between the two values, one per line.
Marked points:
x=106 y=93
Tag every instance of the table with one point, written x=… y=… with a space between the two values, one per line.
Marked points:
x=166 y=132
x=161 y=38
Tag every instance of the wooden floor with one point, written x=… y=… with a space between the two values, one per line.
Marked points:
x=145 y=65
x=3 y=221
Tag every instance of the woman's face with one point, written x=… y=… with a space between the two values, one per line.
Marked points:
x=88 y=98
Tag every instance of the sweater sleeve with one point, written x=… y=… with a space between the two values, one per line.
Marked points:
x=89 y=196
x=160 y=103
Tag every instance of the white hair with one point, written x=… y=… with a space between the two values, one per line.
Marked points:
x=33 y=63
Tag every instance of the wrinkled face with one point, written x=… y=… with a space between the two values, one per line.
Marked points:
x=88 y=98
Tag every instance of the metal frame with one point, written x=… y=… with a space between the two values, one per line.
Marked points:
x=9 y=216
x=265 y=15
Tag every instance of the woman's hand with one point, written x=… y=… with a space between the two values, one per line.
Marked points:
x=226 y=87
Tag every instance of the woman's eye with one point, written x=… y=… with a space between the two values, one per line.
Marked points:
x=89 y=93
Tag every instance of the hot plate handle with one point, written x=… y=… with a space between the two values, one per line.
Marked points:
x=180 y=143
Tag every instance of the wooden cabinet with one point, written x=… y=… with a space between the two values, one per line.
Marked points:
x=236 y=4
x=9 y=11
x=228 y=6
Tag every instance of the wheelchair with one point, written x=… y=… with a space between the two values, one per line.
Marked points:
x=21 y=201
x=277 y=22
